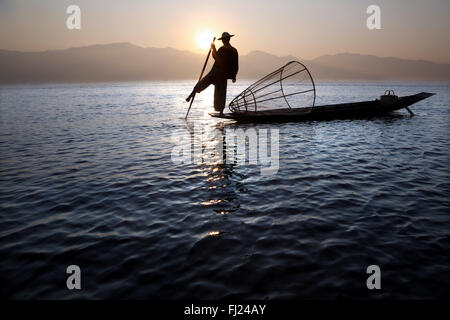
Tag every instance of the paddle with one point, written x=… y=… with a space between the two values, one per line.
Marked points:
x=201 y=75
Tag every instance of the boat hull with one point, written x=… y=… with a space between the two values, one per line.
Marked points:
x=336 y=111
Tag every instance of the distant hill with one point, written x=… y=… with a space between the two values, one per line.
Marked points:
x=127 y=62
x=111 y=62
x=376 y=68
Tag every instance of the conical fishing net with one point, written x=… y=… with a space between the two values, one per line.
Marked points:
x=290 y=86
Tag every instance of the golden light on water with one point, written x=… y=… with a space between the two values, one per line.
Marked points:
x=204 y=39
x=211 y=202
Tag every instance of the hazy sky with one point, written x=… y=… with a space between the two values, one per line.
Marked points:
x=413 y=29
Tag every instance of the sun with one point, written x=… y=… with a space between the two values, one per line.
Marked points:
x=204 y=39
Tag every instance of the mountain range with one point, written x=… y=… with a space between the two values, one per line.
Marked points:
x=128 y=62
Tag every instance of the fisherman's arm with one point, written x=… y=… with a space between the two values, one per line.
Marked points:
x=236 y=65
x=213 y=50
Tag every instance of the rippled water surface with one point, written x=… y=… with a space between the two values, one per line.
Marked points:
x=87 y=178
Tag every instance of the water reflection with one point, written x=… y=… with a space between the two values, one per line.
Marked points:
x=208 y=141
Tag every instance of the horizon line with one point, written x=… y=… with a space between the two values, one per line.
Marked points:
x=252 y=51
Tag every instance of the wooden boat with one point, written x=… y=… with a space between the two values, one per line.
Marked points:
x=289 y=94
x=333 y=111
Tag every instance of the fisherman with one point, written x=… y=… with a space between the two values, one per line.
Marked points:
x=225 y=67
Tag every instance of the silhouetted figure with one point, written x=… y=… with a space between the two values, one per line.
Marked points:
x=225 y=67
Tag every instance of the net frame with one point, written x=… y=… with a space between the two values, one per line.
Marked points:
x=251 y=98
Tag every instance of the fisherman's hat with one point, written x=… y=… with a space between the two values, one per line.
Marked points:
x=226 y=35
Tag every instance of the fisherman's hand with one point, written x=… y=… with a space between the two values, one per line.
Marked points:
x=213 y=45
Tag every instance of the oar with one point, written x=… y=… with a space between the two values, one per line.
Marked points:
x=201 y=75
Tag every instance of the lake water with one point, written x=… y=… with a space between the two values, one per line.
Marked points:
x=87 y=178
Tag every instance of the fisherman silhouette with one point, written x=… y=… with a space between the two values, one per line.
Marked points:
x=225 y=67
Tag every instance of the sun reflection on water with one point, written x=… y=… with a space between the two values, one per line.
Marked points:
x=220 y=188
x=212 y=234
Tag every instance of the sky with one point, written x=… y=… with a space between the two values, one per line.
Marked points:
x=410 y=29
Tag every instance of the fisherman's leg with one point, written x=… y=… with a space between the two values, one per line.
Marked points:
x=204 y=83
x=220 y=95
